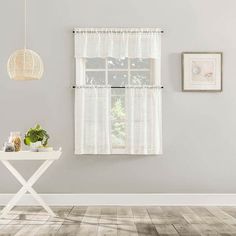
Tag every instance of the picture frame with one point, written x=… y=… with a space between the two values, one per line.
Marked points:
x=202 y=71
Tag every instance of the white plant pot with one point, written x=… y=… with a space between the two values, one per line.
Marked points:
x=34 y=146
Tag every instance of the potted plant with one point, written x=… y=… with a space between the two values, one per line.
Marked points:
x=36 y=138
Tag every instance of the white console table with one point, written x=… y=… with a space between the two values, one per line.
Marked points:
x=47 y=157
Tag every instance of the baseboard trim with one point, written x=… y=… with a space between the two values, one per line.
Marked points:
x=129 y=199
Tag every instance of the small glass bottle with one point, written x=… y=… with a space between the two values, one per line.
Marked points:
x=8 y=147
x=15 y=139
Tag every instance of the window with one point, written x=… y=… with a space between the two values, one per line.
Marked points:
x=117 y=98
x=118 y=73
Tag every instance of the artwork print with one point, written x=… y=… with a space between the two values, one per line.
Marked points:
x=202 y=71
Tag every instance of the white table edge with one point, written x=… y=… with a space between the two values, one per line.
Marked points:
x=31 y=156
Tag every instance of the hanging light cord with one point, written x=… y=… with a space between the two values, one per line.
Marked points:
x=25 y=19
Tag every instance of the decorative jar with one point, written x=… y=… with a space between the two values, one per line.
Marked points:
x=15 y=139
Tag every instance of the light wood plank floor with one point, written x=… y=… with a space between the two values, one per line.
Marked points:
x=121 y=221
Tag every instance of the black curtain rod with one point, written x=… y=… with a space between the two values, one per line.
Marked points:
x=119 y=31
x=74 y=87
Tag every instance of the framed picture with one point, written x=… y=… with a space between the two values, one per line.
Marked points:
x=202 y=71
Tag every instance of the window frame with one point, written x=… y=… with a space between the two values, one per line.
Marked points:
x=155 y=79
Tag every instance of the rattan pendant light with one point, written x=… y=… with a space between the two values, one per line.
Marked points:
x=25 y=64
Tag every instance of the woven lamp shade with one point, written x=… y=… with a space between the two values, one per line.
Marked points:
x=25 y=64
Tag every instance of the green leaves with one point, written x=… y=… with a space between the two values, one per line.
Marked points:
x=36 y=134
x=118 y=123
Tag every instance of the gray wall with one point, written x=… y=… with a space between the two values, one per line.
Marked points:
x=199 y=129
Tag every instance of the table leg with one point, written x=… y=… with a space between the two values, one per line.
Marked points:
x=27 y=186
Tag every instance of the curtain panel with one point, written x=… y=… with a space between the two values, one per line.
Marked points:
x=143 y=116
x=117 y=43
x=92 y=120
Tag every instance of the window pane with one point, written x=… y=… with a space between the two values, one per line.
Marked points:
x=95 y=63
x=138 y=63
x=118 y=134
x=95 y=78
x=118 y=121
x=140 y=77
x=114 y=63
x=118 y=78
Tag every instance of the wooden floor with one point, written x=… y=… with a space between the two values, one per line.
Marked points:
x=121 y=221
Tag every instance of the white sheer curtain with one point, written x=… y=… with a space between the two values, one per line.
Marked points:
x=118 y=43
x=143 y=114
x=92 y=120
x=93 y=105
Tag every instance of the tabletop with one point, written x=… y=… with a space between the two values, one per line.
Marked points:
x=28 y=155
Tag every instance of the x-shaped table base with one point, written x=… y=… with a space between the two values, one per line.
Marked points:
x=27 y=187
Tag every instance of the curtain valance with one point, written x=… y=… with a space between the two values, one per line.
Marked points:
x=117 y=43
